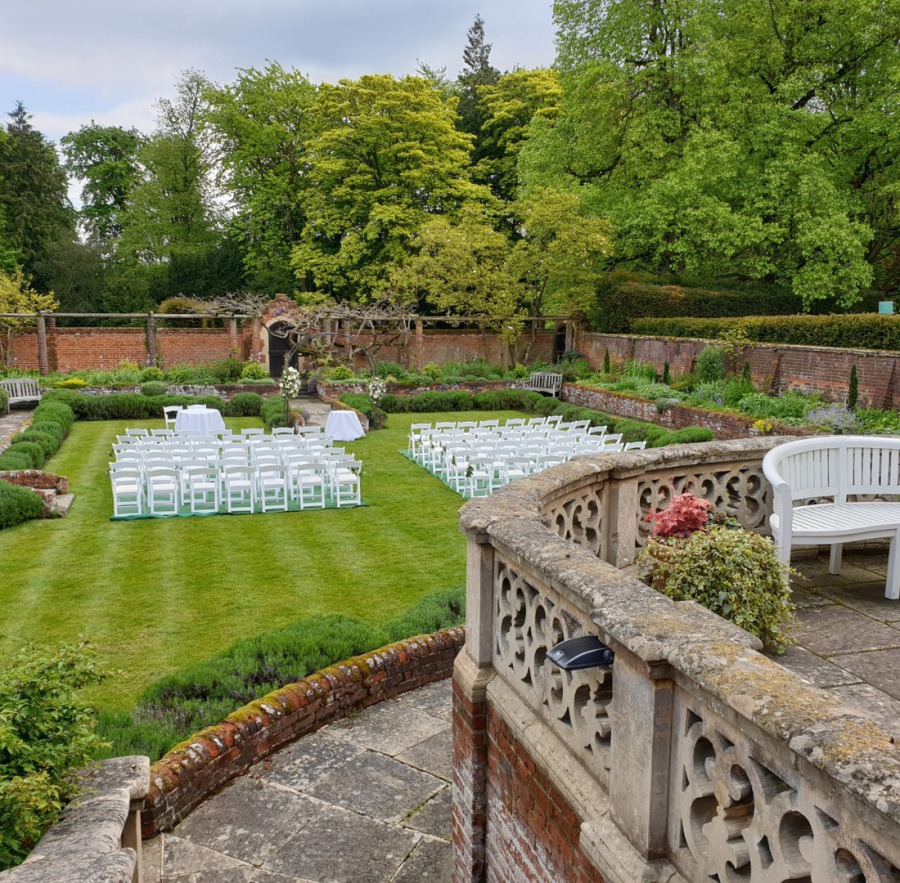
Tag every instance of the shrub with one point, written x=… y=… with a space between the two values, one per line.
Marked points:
x=684 y=436
x=338 y=372
x=244 y=404
x=126 y=406
x=17 y=504
x=32 y=450
x=49 y=444
x=48 y=732
x=710 y=364
x=254 y=371
x=686 y=514
x=273 y=414
x=70 y=383
x=390 y=369
x=13 y=461
x=227 y=370
x=55 y=411
x=862 y=331
x=853 y=390
x=4 y=401
x=182 y=373
x=50 y=427
x=433 y=373
x=152 y=373
x=733 y=572
x=153 y=388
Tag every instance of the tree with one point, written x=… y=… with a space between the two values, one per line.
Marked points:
x=731 y=138
x=385 y=159
x=477 y=72
x=106 y=157
x=33 y=193
x=17 y=296
x=509 y=107
x=263 y=123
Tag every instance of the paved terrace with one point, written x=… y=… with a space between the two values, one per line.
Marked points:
x=368 y=798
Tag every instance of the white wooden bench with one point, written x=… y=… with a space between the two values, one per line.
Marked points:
x=544 y=381
x=830 y=475
x=21 y=389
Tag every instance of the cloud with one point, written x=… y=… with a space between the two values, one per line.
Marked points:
x=105 y=60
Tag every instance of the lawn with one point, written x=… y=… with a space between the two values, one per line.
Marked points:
x=157 y=595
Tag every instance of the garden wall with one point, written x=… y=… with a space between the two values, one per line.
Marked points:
x=775 y=367
x=192 y=771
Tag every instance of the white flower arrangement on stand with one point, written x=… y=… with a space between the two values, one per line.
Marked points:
x=377 y=389
x=291 y=383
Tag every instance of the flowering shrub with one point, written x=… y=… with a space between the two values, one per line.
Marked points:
x=377 y=389
x=291 y=383
x=686 y=514
x=835 y=418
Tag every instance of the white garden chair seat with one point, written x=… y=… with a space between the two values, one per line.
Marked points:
x=163 y=486
x=127 y=491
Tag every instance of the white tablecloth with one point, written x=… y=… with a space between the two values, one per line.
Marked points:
x=343 y=426
x=200 y=421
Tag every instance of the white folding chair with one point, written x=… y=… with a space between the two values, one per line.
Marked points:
x=170 y=412
x=272 y=487
x=137 y=432
x=127 y=491
x=163 y=490
x=249 y=433
x=345 y=483
x=202 y=488
x=635 y=446
x=308 y=481
x=240 y=489
x=480 y=472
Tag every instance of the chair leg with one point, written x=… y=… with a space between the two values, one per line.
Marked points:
x=834 y=561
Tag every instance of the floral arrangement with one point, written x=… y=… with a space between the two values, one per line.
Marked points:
x=377 y=389
x=291 y=383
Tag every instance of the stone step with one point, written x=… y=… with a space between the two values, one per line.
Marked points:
x=62 y=504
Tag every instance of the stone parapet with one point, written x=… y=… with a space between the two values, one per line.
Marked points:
x=693 y=756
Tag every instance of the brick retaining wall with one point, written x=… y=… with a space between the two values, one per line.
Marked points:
x=192 y=771
x=775 y=367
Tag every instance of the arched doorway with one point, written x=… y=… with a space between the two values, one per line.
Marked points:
x=279 y=346
x=559 y=343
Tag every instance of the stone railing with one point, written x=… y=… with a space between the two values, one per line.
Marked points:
x=98 y=835
x=694 y=757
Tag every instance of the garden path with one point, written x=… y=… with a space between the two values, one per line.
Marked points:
x=314 y=411
x=364 y=800
x=10 y=424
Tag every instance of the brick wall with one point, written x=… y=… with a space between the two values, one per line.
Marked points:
x=71 y=349
x=192 y=771
x=674 y=417
x=23 y=351
x=772 y=366
x=194 y=345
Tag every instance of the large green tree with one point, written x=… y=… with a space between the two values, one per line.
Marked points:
x=106 y=158
x=477 y=73
x=385 y=158
x=732 y=137
x=33 y=195
x=263 y=122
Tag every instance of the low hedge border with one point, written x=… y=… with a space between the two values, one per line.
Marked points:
x=193 y=770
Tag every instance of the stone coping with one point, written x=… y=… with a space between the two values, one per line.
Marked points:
x=701 y=650
x=86 y=843
x=193 y=770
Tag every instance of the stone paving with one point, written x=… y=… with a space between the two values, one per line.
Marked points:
x=315 y=412
x=11 y=424
x=848 y=634
x=364 y=800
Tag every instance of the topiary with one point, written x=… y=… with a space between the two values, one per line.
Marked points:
x=731 y=571
x=17 y=504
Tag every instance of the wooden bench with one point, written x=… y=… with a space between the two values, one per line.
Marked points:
x=840 y=483
x=545 y=382
x=21 y=389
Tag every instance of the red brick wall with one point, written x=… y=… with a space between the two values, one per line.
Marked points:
x=71 y=349
x=23 y=352
x=772 y=367
x=192 y=771
x=193 y=345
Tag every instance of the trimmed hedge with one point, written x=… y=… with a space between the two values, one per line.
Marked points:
x=860 y=331
x=49 y=443
x=534 y=403
x=17 y=504
x=272 y=412
x=56 y=412
x=244 y=404
x=11 y=461
x=30 y=450
x=126 y=405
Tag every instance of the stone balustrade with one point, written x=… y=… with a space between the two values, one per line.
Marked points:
x=98 y=835
x=694 y=757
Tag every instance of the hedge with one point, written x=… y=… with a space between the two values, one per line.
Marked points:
x=860 y=331
x=4 y=401
x=32 y=451
x=55 y=412
x=17 y=504
x=244 y=404
x=126 y=405
x=272 y=412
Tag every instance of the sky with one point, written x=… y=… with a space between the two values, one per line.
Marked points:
x=71 y=63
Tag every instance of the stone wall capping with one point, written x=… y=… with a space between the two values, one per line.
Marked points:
x=711 y=757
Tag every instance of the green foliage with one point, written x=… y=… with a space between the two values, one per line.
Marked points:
x=51 y=428
x=153 y=388
x=853 y=390
x=48 y=732
x=434 y=373
x=4 y=401
x=126 y=405
x=30 y=449
x=338 y=372
x=623 y=298
x=204 y=694
x=390 y=369
x=862 y=331
x=152 y=373
x=56 y=412
x=606 y=362
x=10 y=460
x=17 y=504
x=733 y=572
x=244 y=404
x=254 y=371
x=710 y=364
x=273 y=412
x=49 y=443
x=70 y=383
x=227 y=370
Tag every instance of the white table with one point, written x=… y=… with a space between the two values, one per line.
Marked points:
x=343 y=426
x=199 y=421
